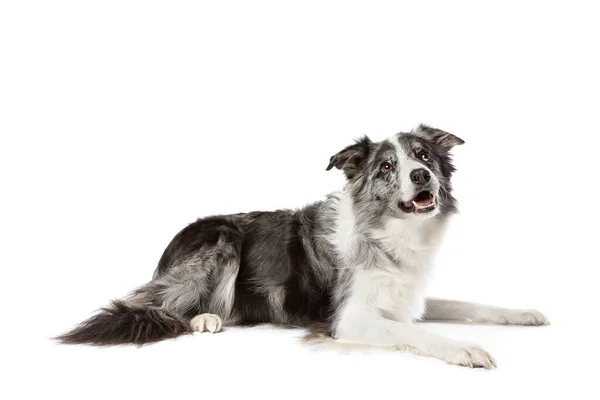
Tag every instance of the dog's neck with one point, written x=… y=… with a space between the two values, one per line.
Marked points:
x=401 y=239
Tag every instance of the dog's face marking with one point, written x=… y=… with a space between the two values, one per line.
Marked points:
x=405 y=176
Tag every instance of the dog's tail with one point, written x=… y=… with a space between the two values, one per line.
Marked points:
x=126 y=322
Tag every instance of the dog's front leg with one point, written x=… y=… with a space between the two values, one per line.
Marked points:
x=378 y=331
x=453 y=310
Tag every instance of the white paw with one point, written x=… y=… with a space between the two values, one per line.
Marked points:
x=467 y=355
x=206 y=323
x=523 y=317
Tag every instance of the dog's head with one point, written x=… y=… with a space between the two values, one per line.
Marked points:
x=405 y=176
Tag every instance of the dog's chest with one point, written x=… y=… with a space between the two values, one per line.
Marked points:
x=397 y=288
x=394 y=282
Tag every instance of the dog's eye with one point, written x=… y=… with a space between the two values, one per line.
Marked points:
x=386 y=167
x=425 y=156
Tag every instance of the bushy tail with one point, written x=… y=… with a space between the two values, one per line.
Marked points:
x=126 y=323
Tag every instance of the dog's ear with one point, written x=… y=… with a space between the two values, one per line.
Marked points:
x=439 y=137
x=352 y=158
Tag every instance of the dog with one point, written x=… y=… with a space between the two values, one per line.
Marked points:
x=351 y=269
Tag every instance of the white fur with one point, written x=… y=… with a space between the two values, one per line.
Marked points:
x=384 y=334
x=386 y=293
x=387 y=290
x=394 y=287
x=276 y=299
x=206 y=323
x=345 y=233
x=454 y=310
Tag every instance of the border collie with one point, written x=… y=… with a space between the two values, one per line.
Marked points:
x=352 y=269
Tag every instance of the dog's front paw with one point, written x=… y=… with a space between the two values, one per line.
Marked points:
x=524 y=317
x=468 y=355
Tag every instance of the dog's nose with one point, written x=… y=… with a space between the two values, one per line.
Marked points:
x=420 y=176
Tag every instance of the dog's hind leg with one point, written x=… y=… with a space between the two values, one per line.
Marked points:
x=220 y=305
x=461 y=311
x=202 y=289
x=225 y=275
x=198 y=271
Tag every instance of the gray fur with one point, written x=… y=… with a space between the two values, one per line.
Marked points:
x=280 y=266
x=302 y=267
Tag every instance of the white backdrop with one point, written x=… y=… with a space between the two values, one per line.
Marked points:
x=122 y=121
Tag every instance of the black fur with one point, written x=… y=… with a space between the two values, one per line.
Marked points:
x=120 y=323
x=353 y=157
x=278 y=267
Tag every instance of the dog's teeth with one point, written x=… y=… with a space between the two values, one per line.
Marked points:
x=415 y=204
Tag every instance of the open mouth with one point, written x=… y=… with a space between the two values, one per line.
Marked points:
x=423 y=202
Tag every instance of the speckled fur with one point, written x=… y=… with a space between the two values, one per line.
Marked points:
x=353 y=267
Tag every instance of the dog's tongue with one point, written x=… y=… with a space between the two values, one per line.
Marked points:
x=424 y=202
